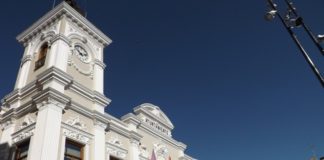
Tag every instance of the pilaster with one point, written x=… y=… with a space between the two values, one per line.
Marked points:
x=99 y=142
x=8 y=129
x=99 y=76
x=47 y=131
x=24 y=68
x=134 y=149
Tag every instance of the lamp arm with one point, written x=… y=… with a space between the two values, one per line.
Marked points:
x=306 y=28
x=299 y=45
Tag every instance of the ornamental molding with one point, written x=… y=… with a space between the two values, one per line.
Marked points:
x=49 y=100
x=47 y=35
x=6 y=124
x=99 y=124
x=95 y=96
x=34 y=86
x=23 y=134
x=156 y=126
x=161 y=150
x=54 y=73
x=60 y=37
x=170 y=140
x=100 y=63
x=28 y=120
x=186 y=157
x=26 y=59
x=116 y=151
x=115 y=141
x=155 y=113
x=75 y=135
x=89 y=73
x=62 y=11
x=143 y=151
x=76 y=122
x=134 y=142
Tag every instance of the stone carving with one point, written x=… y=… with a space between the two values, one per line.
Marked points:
x=6 y=124
x=143 y=151
x=115 y=141
x=76 y=136
x=28 y=120
x=156 y=126
x=76 y=122
x=50 y=101
x=116 y=152
x=23 y=135
x=100 y=124
x=161 y=150
x=89 y=73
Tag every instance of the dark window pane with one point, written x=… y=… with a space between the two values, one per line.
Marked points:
x=73 y=151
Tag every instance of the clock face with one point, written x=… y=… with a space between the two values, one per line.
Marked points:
x=82 y=53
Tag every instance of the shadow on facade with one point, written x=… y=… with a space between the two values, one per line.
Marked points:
x=5 y=151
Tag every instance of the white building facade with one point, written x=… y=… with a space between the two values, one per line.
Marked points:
x=56 y=110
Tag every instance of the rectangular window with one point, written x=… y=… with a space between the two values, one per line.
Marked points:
x=73 y=150
x=22 y=151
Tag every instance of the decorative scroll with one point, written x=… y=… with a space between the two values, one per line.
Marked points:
x=76 y=136
x=117 y=152
x=23 y=135
x=76 y=122
x=28 y=120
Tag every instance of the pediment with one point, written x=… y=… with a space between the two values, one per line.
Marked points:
x=154 y=112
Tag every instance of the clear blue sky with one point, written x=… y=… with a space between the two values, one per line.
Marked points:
x=234 y=85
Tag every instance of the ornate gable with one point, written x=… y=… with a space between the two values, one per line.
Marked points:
x=154 y=117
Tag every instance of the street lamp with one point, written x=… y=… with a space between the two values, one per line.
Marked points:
x=292 y=20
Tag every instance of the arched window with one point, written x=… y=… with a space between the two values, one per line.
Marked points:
x=41 y=56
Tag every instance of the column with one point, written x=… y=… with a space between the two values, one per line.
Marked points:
x=45 y=144
x=133 y=149
x=99 y=144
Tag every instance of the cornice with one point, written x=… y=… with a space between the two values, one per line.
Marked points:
x=135 y=136
x=23 y=133
x=156 y=134
x=148 y=129
x=18 y=94
x=63 y=9
x=130 y=118
x=69 y=127
x=90 y=94
x=140 y=109
x=54 y=73
x=51 y=95
x=186 y=157
x=118 y=129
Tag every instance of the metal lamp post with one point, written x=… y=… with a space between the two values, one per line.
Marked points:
x=292 y=20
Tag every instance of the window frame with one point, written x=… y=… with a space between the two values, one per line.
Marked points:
x=42 y=53
x=77 y=144
x=18 y=149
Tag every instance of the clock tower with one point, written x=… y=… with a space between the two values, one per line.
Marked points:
x=64 y=43
x=61 y=72
x=57 y=108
